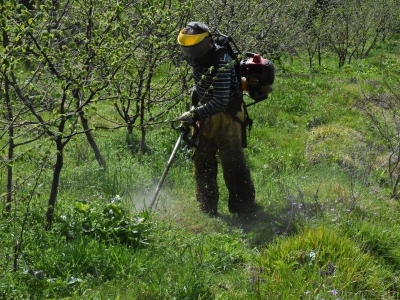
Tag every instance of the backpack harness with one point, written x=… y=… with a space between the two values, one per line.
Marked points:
x=235 y=105
x=258 y=74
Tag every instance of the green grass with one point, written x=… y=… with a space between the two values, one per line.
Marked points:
x=320 y=262
x=328 y=228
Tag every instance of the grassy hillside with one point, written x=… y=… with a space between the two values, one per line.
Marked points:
x=329 y=227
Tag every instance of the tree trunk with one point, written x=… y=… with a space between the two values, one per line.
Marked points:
x=89 y=136
x=129 y=127
x=11 y=145
x=91 y=140
x=10 y=118
x=342 y=57
x=319 y=54
x=143 y=146
x=55 y=183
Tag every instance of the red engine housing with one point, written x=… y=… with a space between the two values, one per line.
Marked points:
x=258 y=75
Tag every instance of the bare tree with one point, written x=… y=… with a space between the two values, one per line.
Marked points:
x=9 y=116
x=353 y=27
x=70 y=69
x=141 y=96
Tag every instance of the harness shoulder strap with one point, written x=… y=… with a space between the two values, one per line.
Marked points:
x=236 y=104
x=216 y=57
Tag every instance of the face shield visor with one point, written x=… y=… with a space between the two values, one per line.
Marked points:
x=194 y=45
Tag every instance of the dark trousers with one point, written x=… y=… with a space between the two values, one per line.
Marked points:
x=221 y=135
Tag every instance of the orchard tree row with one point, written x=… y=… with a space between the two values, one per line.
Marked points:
x=62 y=61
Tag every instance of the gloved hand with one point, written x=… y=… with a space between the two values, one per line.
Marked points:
x=187 y=118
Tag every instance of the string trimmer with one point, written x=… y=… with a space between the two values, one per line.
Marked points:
x=184 y=131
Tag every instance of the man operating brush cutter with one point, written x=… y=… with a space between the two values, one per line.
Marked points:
x=219 y=114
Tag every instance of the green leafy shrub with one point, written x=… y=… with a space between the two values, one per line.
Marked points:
x=109 y=222
x=90 y=243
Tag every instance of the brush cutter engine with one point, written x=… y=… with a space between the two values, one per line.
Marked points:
x=258 y=75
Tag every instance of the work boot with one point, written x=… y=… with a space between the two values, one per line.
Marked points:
x=249 y=211
x=207 y=209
